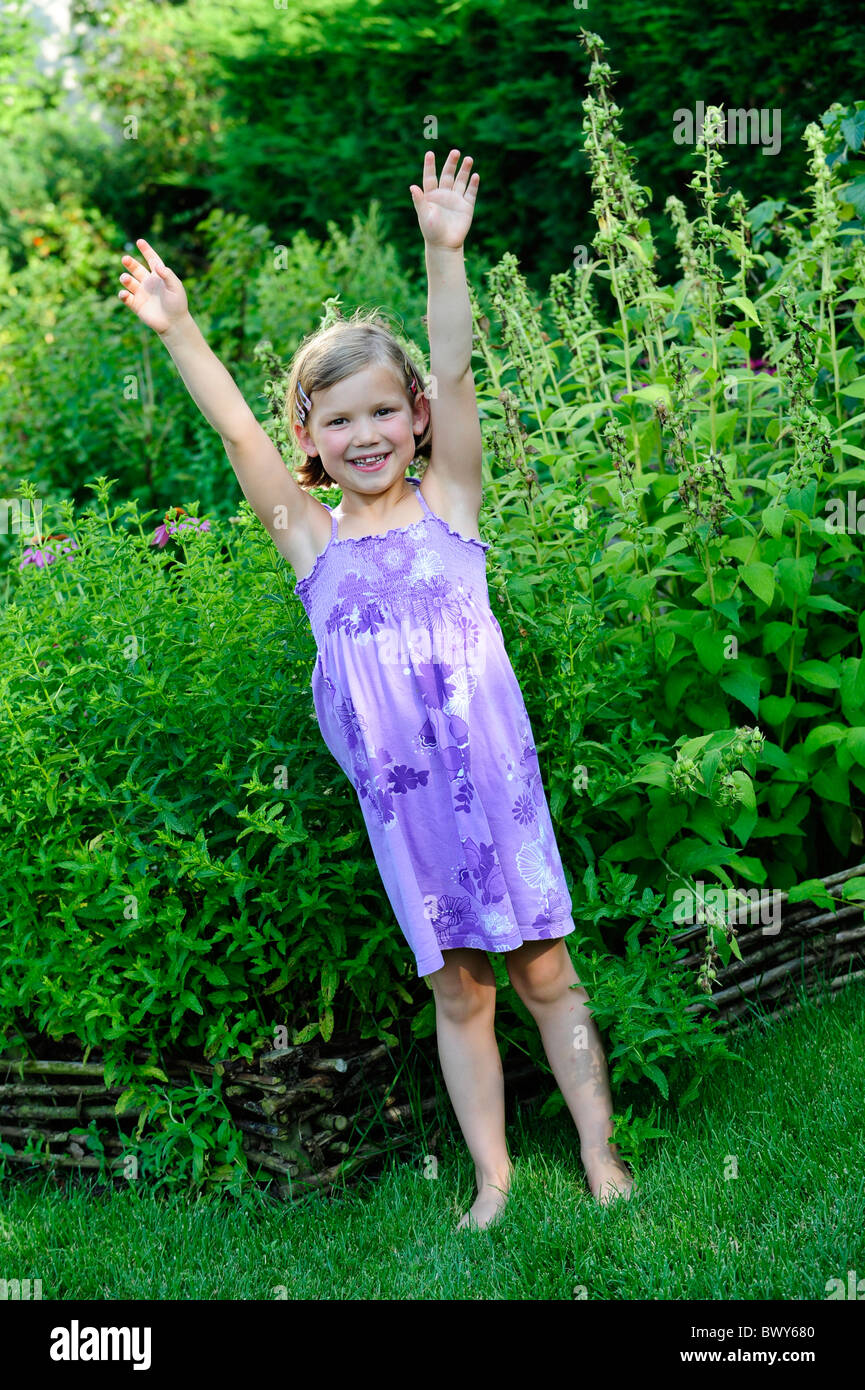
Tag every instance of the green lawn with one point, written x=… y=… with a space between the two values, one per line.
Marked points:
x=793 y=1116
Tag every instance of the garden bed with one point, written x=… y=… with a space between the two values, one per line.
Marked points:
x=315 y=1114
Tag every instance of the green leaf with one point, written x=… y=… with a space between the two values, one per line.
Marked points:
x=156 y=1072
x=747 y=308
x=663 y=823
x=773 y=520
x=833 y=783
x=854 y=388
x=856 y=744
x=795 y=575
x=822 y=603
x=634 y=847
x=649 y=394
x=423 y=1024
x=745 y=789
x=818 y=673
x=764 y=212
x=822 y=735
x=743 y=685
x=812 y=890
x=346 y=841
x=125 y=1101
x=775 y=635
x=552 y=1105
x=214 y=973
x=655 y=1074
x=760 y=579
x=656 y=772
x=853 y=682
x=853 y=130
x=329 y=981
x=775 y=708
x=854 y=195
x=709 y=647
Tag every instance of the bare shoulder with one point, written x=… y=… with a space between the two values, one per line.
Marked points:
x=459 y=504
x=305 y=535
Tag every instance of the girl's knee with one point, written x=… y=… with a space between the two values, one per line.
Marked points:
x=465 y=986
x=542 y=972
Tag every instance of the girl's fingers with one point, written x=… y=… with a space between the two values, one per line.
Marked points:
x=462 y=177
x=429 y=172
x=449 y=179
x=153 y=260
x=447 y=174
x=134 y=268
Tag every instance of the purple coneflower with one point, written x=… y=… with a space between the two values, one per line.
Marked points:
x=47 y=552
x=172 y=525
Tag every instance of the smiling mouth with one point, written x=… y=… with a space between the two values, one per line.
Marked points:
x=370 y=463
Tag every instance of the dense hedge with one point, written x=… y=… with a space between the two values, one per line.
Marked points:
x=299 y=116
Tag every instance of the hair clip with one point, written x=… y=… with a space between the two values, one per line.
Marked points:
x=413 y=384
x=304 y=404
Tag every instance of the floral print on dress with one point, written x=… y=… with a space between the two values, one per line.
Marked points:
x=352 y=724
x=525 y=807
x=383 y=778
x=418 y=702
x=483 y=868
x=450 y=914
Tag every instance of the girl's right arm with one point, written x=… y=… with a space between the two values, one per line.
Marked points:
x=292 y=518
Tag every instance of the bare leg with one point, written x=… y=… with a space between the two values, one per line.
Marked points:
x=542 y=973
x=465 y=995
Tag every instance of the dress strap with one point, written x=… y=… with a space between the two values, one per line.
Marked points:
x=332 y=522
x=421 y=498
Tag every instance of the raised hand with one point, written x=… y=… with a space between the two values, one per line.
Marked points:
x=445 y=207
x=155 y=295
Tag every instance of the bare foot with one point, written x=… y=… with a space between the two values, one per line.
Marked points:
x=609 y=1178
x=487 y=1206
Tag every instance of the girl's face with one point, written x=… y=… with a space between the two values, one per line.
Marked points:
x=352 y=424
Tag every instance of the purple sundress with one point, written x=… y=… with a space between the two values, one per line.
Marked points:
x=418 y=703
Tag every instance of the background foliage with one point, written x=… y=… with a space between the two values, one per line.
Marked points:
x=297 y=116
x=662 y=464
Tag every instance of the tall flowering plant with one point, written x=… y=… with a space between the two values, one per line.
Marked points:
x=671 y=467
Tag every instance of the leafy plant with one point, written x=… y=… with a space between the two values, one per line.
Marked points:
x=676 y=571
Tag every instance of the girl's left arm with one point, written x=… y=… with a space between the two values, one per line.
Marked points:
x=445 y=209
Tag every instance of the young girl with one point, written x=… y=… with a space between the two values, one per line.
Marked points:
x=414 y=692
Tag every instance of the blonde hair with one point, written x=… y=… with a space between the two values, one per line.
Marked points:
x=335 y=352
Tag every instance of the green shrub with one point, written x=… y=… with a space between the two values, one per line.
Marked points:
x=182 y=834
x=669 y=563
x=80 y=381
